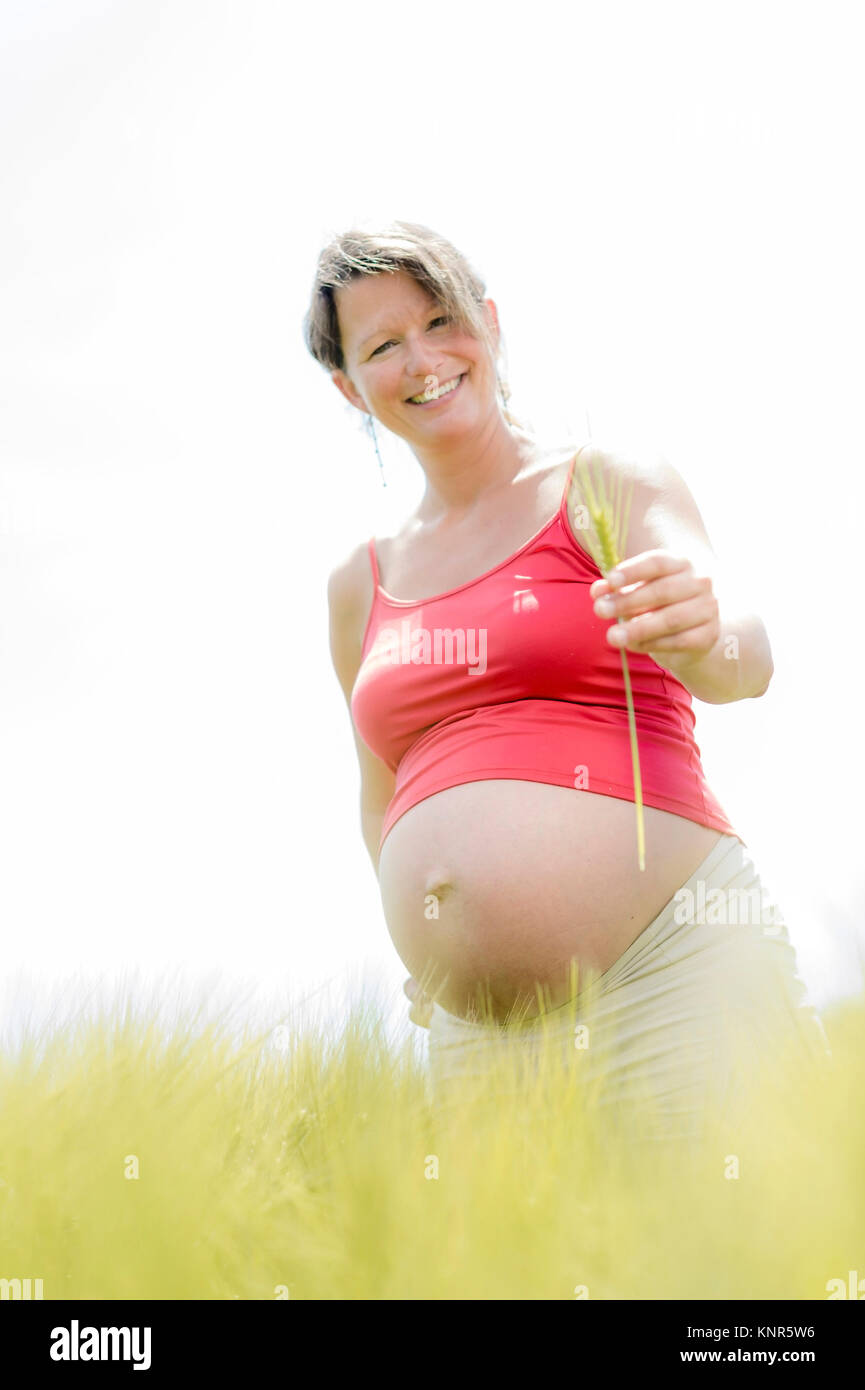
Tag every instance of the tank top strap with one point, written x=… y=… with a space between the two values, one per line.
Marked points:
x=373 y=561
x=571 y=465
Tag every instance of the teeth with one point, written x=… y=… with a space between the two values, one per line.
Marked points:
x=434 y=395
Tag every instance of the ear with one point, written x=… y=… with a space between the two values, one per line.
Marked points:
x=492 y=315
x=344 y=384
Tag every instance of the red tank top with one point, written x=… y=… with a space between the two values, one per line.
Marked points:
x=511 y=676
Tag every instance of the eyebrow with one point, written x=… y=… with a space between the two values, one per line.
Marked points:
x=375 y=334
x=434 y=310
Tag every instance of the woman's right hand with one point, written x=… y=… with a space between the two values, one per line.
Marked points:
x=421 y=1004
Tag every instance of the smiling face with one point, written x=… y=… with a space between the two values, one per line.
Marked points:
x=394 y=336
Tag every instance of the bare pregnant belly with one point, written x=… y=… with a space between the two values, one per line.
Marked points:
x=491 y=888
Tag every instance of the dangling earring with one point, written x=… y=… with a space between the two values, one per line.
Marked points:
x=503 y=393
x=371 y=428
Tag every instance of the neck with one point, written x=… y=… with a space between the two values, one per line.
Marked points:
x=457 y=475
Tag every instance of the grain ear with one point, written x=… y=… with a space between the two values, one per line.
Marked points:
x=606 y=539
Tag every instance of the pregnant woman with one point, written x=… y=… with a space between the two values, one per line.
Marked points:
x=478 y=650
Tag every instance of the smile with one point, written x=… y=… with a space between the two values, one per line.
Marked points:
x=449 y=388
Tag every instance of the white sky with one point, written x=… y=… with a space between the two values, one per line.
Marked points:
x=664 y=202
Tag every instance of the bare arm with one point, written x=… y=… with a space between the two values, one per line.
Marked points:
x=349 y=595
x=685 y=611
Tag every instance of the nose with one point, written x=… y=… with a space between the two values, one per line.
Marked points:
x=421 y=358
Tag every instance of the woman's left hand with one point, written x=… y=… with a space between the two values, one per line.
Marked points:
x=669 y=608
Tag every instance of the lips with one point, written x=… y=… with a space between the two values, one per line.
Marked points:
x=422 y=405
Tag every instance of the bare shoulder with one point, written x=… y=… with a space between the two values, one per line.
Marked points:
x=349 y=584
x=664 y=513
x=655 y=482
x=642 y=466
x=349 y=597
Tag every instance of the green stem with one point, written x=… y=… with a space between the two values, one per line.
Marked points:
x=635 y=760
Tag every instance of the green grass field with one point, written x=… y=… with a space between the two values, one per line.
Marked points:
x=151 y=1154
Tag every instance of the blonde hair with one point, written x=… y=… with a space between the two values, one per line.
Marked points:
x=436 y=265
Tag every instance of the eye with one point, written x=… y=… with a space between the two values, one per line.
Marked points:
x=441 y=318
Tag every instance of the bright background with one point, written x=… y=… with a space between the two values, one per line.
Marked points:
x=664 y=202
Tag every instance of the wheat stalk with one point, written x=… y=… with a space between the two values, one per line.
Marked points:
x=605 y=540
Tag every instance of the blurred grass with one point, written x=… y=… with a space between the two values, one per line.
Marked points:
x=305 y=1159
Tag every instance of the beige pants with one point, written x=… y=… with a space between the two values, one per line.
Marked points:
x=682 y=1020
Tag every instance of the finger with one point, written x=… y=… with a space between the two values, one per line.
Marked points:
x=411 y=987
x=650 y=564
x=655 y=593
x=649 y=629
x=603 y=586
x=608 y=591
x=699 y=640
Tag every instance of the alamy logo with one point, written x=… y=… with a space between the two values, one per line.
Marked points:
x=21 y=1288
x=854 y=1287
x=102 y=1344
x=726 y=907
x=438 y=646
